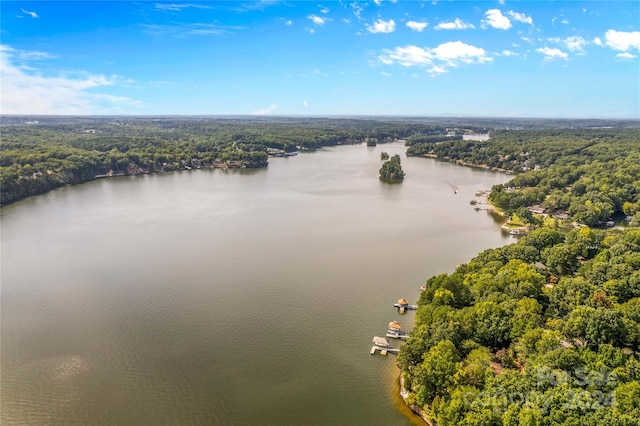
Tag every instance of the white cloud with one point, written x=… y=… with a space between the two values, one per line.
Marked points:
x=417 y=26
x=458 y=24
x=520 y=17
x=386 y=74
x=621 y=40
x=435 y=60
x=565 y=21
x=310 y=30
x=176 y=7
x=501 y=1
x=288 y=23
x=407 y=56
x=552 y=53
x=318 y=20
x=436 y=70
x=25 y=90
x=457 y=51
x=496 y=19
x=305 y=104
x=508 y=53
x=381 y=26
x=266 y=110
x=324 y=10
x=32 y=14
x=575 y=43
x=598 y=41
x=318 y=72
x=626 y=56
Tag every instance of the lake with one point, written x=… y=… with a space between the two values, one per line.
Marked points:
x=227 y=297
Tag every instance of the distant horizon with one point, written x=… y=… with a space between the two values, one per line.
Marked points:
x=333 y=116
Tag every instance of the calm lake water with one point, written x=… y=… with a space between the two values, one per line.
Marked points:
x=226 y=297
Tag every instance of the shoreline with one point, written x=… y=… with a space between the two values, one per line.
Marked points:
x=137 y=172
x=417 y=411
x=402 y=393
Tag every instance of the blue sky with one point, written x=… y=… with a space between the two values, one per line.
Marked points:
x=484 y=58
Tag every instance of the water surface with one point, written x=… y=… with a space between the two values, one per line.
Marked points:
x=226 y=297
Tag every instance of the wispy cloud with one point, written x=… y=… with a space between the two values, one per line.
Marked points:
x=573 y=43
x=318 y=20
x=288 y=22
x=417 y=26
x=190 y=29
x=176 y=7
x=495 y=19
x=626 y=56
x=305 y=104
x=435 y=60
x=622 y=40
x=520 y=17
x=381 y=26
x=266 y=110
x=458 y=24
x=25 y=90
x=33 y=55
x=32 y=14
x=552 y=53
x=318 y=72
x=357 y=10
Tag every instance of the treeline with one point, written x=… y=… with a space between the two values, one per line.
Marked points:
x=37 y=158
x=542 y=332
x=525 y=150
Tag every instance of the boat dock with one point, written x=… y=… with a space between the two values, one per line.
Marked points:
x=395 y=331
x=403 y=305
x=381 y=344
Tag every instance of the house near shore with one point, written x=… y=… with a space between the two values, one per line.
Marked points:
x=561 y=215
x=537 y=209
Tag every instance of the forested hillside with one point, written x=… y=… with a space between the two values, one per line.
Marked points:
x=545 y=331
x=541 y=332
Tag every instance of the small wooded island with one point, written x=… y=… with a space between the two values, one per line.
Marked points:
x=391 y=170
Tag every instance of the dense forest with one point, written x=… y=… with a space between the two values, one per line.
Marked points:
x=542 y=332
x=39 y=155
